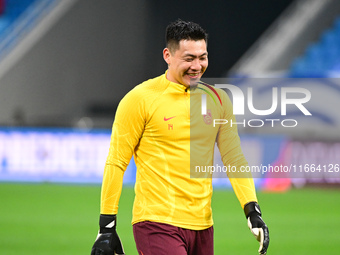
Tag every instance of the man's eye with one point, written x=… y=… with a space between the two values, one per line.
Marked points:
x=189 y=59
x=203 y=58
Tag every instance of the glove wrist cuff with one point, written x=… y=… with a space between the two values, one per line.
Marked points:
x=252 y=207
x=107 y=223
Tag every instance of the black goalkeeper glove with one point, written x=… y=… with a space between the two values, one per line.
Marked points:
x=107 y=242
x=257 y=226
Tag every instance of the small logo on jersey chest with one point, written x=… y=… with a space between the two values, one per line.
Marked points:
x=166 y=119
x=207 y=117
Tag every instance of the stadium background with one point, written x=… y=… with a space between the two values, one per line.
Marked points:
x=64 y=66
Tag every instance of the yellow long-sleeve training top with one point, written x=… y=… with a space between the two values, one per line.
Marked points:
x=161 y=124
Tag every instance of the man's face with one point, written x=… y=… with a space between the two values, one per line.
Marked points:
x=187 y=63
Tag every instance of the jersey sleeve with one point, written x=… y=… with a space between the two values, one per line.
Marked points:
x=127 y=129
x=228 y=142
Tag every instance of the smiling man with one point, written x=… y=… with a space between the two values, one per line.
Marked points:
x=172 y=209
x=187 y=60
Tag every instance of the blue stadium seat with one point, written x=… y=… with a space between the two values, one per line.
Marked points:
x=322 y=56
x=14 y=8
x=4 y=22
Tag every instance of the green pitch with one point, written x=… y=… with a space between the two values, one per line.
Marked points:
x=62 y=219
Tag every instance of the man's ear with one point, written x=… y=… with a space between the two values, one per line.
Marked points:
x=167 y=55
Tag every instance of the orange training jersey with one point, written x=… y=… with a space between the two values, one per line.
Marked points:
x=160 y=123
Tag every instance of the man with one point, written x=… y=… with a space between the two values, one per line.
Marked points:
x=159 y=122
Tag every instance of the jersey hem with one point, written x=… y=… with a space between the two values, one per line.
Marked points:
x=180 y=225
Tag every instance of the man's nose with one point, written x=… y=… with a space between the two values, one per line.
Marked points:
x=196 y=65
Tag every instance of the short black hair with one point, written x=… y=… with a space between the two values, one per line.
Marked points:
x=183 y=30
